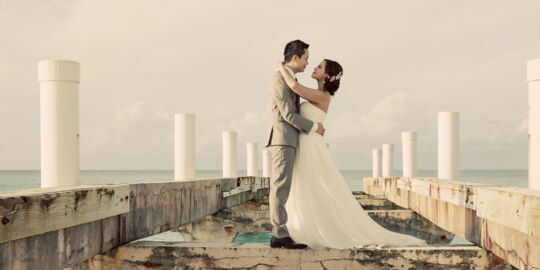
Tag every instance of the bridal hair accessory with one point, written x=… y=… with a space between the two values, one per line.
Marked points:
x=336 y=77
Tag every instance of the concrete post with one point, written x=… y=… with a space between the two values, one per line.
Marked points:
x=267 y=163
x=184 y=146
x=387 y=160
x=448 y=145
x=376 y=162
x=229 y=154
x=252 y=159
x=59 y=110
x=533 y=80
x=408 y=140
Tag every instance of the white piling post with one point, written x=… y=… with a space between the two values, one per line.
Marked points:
x=376 y=162
x=59 y=110
x=533 y=80
x=184 y=146
x=252 y=159
x=387 y=160
x=408 y=151
x=229 y=154
x=448 y=145
x=267 y=163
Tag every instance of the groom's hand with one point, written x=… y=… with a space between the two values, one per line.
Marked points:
x=320 y=129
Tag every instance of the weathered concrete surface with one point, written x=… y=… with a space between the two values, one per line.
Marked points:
x=153 y=208
x=378 y=204
x=242 y=189
x=409 y=222
x=505 y=221
x=145 y=255
x=248 y=217
x=224 y=225
x=39 y=211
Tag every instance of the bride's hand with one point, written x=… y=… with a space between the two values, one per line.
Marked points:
x=279 y=66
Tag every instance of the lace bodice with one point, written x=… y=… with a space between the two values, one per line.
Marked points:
x=312 y=113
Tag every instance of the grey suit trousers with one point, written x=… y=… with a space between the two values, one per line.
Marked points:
x=280 y=186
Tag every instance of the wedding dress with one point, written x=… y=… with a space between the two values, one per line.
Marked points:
x=321 y=209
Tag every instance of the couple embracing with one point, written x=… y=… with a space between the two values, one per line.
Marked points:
x=309 y=199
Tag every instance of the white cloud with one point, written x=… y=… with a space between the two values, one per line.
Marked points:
x=126 y=118
x=522 y=128
x=505 y=134
x=251 y=127
x=162 y=114
x=124 y=121
x=162 y=139
x=384 y=117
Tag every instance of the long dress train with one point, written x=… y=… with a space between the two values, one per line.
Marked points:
x=321 y=209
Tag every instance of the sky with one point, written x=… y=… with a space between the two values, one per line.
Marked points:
x=142 y=62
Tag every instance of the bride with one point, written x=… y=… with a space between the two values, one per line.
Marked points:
x=321 y=208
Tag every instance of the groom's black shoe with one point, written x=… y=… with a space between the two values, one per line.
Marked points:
x=285 y=242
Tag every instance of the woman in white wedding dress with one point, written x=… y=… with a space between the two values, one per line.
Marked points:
x=321 y=209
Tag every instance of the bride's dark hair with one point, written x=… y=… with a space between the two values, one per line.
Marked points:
x=335 y=71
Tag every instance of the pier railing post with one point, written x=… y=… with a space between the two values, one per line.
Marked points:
x=533 y=81
x=184 y=146
x=408 y=151
x=376 y=162
x=229 y=154
x=387 y=160
x=267 y=163
x=448 y=146
x=59 y=109
x=252 y=159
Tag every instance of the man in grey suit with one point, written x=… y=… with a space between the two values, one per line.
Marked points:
x=282 y=140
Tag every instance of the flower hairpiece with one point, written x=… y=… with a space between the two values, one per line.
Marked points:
x=336 y=77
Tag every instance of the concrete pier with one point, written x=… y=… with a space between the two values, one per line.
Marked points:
x=73 y=224
x=503 y=220
x=91 y=227
x=260 y=256
x=209 y=244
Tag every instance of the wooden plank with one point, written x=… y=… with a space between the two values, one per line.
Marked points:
x=31 y=212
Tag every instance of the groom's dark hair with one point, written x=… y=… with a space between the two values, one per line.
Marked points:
x=295 y=47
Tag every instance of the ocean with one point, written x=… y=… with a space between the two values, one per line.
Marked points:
x=16 y=180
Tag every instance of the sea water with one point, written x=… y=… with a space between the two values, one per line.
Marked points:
x=16 y=180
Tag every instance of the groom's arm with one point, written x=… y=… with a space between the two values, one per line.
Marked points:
x=287 y=108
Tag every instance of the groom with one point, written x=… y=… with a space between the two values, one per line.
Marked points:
x=282 y=140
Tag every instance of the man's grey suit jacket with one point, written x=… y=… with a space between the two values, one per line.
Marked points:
x=285 y=119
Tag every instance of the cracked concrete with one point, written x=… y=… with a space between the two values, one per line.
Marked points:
x=503 y=220
x=260 y=256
